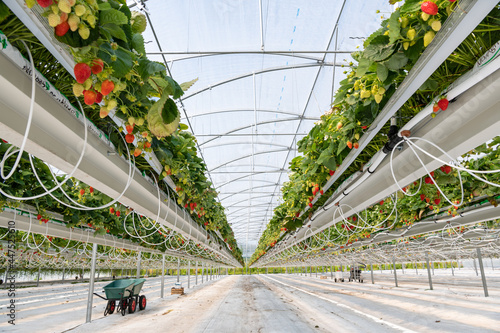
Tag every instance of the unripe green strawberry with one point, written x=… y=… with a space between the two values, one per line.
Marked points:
x=406 y=45
x=378 y=98
x=91 y=20
x=54 y=20
x=365 y=94
x=54 y=9
x=80 y=10
x=87 y=84
x=30 y=3
x=64 y=6
x=381 y=90
x=404 y=22
x=411 y=34
x=425 y=16
x=73 y=22
x=436 y=25
x=428 y=37
x=78 y=89
x=112 y=104
x=83 y=31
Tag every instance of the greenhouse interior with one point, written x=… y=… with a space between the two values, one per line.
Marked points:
x=249 y=166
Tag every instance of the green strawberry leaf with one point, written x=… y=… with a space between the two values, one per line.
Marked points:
x=169 y=111
x=138 y=43
x=396 y=62
x=382 y=72
x=186 y=85
x=114 y=30
x=148 y=68
x=173 y=88
x=112 y=16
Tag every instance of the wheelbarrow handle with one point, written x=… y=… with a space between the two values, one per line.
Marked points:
x=100 y=296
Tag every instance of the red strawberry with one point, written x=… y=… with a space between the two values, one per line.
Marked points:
x=297 y=214
x=428 y=180
x=129 y=138
x=91 y=189
x=443 y=103
x=107 y=87
x=129 y=128
x=332 y=172
x=310 y=204
x=355 y=145
x=349 y=144
x=186 y=205
x=82 y=72
x=82 y=191
x=137 y=152
x=447 y=169
x=39 y=216
x=321 y=192
x=89 y=97
x=118 y=213
x=431 y=207
x=429 y=7
x=98 y=98
x=422 y=197
x=432 y=174
x=311 y=198
x=97 y=66
x=364 y=127
x=111 y=210
x=61 y=29
x=437 y=201
x=147 y=144
x=44 y=3
x=435 y=108
x=381 y=202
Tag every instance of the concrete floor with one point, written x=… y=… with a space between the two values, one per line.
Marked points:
x=276 y=303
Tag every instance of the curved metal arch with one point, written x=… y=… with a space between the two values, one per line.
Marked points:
x=248 y=189
x=293 y=54
x=242 y=110
x=300 y=118
x=239 y=210
x=263 y=71
x=258 y=197
x=245 y=143
x=239 y=178
x=249 y=155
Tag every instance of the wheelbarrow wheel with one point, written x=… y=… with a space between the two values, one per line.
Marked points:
x=142 y=302
x=110 y=308
x=132 y=305
x=123 y=306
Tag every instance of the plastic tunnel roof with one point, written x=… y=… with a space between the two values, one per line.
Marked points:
x=264 y=78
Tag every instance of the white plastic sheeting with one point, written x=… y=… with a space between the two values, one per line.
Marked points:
x=248 y=110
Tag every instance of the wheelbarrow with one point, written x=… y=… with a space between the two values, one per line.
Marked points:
x=126 y=292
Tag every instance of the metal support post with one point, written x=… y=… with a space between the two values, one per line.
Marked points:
x=428 y=270
x=91 y=284
x=162 y=276
x=452 y=269
x=189 y=274
x=310 y=271
x=403 y=267
x=138 y=275
x=493 y=268
x=371 y=266
x=395 y=274
x=432 y=265
x=178 y=269
x=331 y=272
x=316 y=268
x=483 y=277
x=196 y=274
x=63 y=273
x=37 y=279
x=416 y=268
x=202 y=269
x=267 y=270
x=475 y=267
